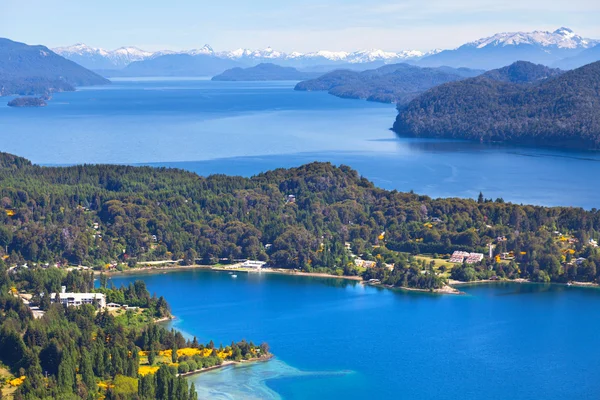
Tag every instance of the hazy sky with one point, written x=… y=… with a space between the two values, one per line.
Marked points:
x=286 y=25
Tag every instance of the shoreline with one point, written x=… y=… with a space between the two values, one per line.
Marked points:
x=232 y=268
x=226 y=364
x=454 y=282
x=449 y=288
x=446 y=289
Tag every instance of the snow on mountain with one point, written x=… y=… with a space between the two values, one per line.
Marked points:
x=562 y=38
x=97 y=58
x=204 y=50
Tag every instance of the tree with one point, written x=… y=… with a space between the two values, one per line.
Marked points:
x=174 y=354
x=87 y=371
x=151 y=357
x=193 y=395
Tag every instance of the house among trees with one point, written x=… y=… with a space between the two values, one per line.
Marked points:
x=253 y=264
x=77 y=299
x=463 y=256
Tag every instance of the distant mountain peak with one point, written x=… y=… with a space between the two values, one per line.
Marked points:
x=561 y=38
x=204 y=50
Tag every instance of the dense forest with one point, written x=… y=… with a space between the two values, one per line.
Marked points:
x=76 y=352
x=99 y=214
x=85 y=353
x=523 y=103
x=29 y=70
x=397 y=83
x=264 y=72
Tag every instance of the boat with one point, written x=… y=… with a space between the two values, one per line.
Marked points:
x=234 y=276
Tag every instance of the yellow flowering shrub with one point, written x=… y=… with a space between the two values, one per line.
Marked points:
x=17 y=381
x=147 y=370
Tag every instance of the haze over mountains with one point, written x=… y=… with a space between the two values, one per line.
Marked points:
x=540 y=47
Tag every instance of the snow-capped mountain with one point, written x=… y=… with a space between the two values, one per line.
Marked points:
x=96 y=58
x=540 y=47
x=562 y=38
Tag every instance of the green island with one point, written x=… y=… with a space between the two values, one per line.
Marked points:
x=314 y=219
x=79 y=344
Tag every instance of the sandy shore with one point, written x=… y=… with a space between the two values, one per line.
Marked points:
x=518 y=280
x=584 y=284
x=164 y=319
x=298 y=273
x=446 y=289
x=225 y=364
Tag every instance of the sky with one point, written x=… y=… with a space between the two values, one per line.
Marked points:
x=286 y=25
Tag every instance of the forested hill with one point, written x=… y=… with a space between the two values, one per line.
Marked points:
x=521 y=72
x=264 y=72
x=397 y=83
x=30 y=70
x=49 y=215
x=561 y=110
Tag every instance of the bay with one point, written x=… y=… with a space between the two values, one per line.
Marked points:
x=249 y=127
x=339 y=339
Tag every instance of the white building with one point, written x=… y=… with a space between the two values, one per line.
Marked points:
x=77 y=299
x=253 y=264
x=463 y=256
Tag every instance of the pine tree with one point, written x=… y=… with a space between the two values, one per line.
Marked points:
x=87 y=371
x=193 y=395
x=151 y=356
x=174 y=354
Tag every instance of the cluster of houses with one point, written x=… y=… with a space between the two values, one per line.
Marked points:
x=463 y=256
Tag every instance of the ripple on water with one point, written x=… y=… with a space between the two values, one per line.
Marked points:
x=249 y=381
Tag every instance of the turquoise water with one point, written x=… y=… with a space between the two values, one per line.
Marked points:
x=245 y=128
x=339 y=339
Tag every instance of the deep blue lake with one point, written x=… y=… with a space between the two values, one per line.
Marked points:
x=340 y=339
x=249 y=127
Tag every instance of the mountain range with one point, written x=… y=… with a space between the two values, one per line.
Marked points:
x=28 y=70
x=97 y=58
x=523 y=103
x=394 y=83
x=541 y=47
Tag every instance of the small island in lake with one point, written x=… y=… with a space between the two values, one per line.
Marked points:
x=27 y=102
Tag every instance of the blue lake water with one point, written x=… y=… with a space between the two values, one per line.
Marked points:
x=245 y=128
x=340 y=339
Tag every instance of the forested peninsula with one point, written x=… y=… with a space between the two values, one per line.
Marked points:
x=314 y=218
x=523 y=103
x=395 y=83
x=49 y=350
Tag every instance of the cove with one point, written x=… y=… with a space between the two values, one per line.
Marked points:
x=339 y=339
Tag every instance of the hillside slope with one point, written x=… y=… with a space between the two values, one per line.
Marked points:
x=388 y=84
x=264 y=72
x=28 y=69
x=561 y=110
